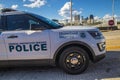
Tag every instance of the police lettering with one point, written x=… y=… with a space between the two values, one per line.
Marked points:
x=28 y=47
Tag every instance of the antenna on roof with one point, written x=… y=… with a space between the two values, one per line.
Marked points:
x=7 y=10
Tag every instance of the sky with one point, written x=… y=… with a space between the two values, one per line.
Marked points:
x=60 y=9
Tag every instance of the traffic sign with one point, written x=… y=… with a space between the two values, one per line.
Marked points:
x=111 y=22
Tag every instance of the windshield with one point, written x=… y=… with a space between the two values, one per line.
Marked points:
x=48 y=21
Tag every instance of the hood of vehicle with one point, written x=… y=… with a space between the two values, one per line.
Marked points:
x=77 y=28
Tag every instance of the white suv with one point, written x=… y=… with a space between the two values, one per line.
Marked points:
x=30 y=39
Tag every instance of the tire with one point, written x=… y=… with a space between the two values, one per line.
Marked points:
x=74 y=60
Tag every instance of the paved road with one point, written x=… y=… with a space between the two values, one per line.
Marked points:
x=107 y=68
x=115 y=34
x=112 y=39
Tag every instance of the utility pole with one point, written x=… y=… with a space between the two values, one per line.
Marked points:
x=113 y=6
x=71 y=12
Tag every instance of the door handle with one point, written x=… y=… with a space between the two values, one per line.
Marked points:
x=13 y=36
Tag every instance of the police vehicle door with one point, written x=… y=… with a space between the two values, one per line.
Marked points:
x=3 y=53
x=23 y=43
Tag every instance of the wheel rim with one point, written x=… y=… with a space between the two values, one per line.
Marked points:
x=74 y=61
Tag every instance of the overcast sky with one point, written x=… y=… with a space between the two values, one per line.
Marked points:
x=60 y=9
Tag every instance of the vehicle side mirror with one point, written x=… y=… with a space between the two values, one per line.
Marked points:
x=37 y=27
x=61 y=24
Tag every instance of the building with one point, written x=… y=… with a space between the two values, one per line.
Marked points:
x=77 y=19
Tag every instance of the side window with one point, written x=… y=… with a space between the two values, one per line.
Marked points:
x=0 y=24
x=36 y=24
x=22 y=22
x=2 y=27
x=17 y=22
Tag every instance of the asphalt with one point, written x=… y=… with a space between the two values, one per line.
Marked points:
x=107 y=69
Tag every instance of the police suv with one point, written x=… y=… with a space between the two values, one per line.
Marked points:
x=30 y=39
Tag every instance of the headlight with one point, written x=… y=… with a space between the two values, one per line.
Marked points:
x=96 y=34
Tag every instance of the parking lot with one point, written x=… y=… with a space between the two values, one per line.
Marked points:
x=107 y=69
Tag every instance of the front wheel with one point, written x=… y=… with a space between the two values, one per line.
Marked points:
x=74 y=60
